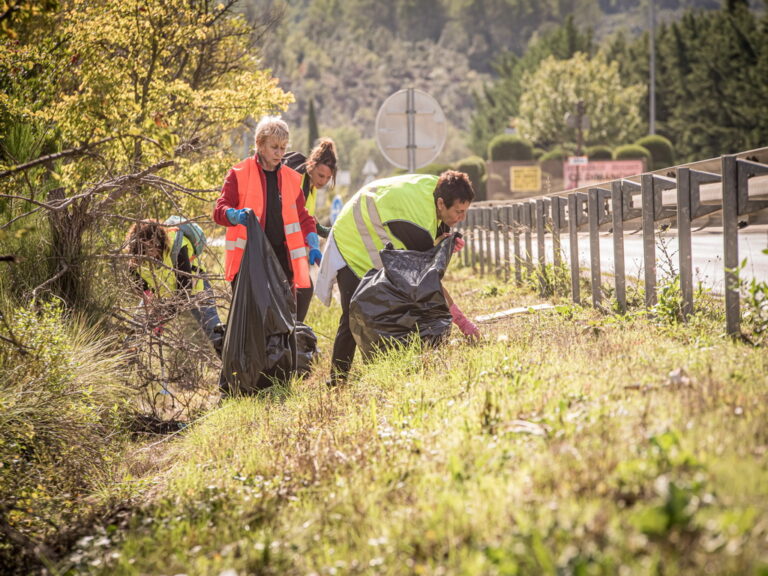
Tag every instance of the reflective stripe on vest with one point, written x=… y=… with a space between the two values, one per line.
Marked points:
x=361 y=230
x=251 y=195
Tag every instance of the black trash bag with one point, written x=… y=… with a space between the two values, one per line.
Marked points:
x=404 y=298
x=260 y=344
x=306 y=348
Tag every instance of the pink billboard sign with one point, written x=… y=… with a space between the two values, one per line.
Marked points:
x=596 y=172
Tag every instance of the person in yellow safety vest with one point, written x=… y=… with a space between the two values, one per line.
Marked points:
x=162 y=276
x=319 y=170
x=272 y=191
x=412 y=211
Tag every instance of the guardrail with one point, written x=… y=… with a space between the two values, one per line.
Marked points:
x=500 y=235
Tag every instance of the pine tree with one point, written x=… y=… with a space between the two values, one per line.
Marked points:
x=314 y=131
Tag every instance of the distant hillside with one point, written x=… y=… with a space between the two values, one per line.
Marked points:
x=349 y=56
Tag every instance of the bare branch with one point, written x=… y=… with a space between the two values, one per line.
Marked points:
x=58 y=275
x=53 y=157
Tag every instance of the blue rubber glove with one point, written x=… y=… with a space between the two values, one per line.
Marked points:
x=236 y=216
x=315 y=256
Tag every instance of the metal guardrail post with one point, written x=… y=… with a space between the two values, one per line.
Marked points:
x=575 y=203
x=517 y=222
x=540 y=245
x=506 y=218
x=736 y=174
x=496 y=224
x=558 y=218
x=472 y=238
x=488 y=225
x=619 y=274
x=528 y=219
x=651 y=186
x=597 y=215
x=731 y=243
x=688 y=209
x=481 y=239
x=622 y=209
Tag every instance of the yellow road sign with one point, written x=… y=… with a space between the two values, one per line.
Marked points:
x=524 y=178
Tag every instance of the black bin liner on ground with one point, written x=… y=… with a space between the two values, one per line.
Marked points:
x=402 y=299
x=260 y=344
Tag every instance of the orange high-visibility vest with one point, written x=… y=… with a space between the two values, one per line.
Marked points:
x=251 y=195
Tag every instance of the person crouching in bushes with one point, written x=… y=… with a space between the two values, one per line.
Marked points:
x=162 y=276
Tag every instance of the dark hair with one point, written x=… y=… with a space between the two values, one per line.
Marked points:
x=452 y=186
x=143 y=234
x=324 y=153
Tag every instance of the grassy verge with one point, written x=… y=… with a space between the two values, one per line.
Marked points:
x=566 y=442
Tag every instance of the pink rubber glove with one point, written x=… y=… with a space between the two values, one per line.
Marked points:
x=465 y=324
x=458 y=244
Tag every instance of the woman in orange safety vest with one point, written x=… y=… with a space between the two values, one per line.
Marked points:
x=263 y=185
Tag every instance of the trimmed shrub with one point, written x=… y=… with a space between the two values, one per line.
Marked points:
x=509 y=147
x=434 y=168
x=599 y=153
x=474 y=167
x=662 y=153
x=632 y=152
x=554 y=154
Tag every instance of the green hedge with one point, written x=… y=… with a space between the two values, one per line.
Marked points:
x=632 y=152
x=599 y=153
x=509 y=147
x=474 y=167
x=660 y=148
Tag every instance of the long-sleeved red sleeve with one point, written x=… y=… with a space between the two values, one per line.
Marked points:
x=229 y=198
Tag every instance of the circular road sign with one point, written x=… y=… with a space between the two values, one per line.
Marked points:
x=410 y=129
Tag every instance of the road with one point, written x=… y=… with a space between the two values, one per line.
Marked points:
x=706 y=247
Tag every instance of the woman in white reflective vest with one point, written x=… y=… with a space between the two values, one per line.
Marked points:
x=177 y=279
x=413 y=212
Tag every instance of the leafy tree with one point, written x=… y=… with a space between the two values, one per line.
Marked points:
x=499 y=101
x=125 y=92
x=611 y=107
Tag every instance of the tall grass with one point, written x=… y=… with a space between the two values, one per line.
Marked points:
x=60 y=432
x=566 y=442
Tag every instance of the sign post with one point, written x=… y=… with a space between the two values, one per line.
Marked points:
x=410 y=129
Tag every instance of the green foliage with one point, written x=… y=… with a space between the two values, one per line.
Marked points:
x=631 y=462
x=435 y=168
x=60 y=427
x=599 y=152
x=705 y=59
x=474 y=167
x=632 y=152
x=497 y=106
x=660 y=148
x=754 y=303
x=612 y=105
x=556 y=153
x=669 y=306
x=509 y=147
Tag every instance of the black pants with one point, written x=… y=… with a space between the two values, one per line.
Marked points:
x=344 y=345
x=303 y=298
